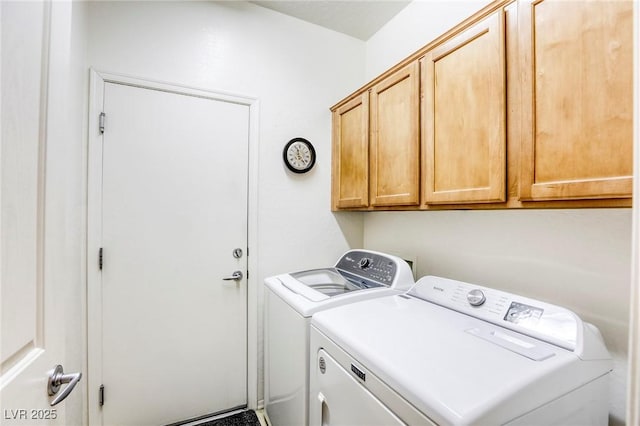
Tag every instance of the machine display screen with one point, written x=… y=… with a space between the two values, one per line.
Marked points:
x=519 y=313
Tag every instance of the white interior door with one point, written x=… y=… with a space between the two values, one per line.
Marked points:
x=34 y=278
x=173 y=209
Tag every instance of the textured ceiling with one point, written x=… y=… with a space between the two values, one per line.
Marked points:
x=360 y=19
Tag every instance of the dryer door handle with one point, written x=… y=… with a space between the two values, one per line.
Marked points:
x=324 y=409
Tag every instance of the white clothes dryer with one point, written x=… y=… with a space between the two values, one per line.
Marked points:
x=453 y=353
x=291 y=300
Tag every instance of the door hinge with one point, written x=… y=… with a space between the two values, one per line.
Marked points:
x=100 y=257
x=101 y=395
x=101 y=122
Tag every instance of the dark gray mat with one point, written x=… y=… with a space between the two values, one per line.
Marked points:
x=246 y=418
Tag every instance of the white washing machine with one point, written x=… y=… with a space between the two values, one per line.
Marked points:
x=452 y=353
x=290 y=301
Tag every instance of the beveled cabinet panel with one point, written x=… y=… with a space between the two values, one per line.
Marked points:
x=464 y=157
x=576 y=65
x=395 y=139
x=350 y=162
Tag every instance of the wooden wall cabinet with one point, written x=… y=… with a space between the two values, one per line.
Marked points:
x=576 y=65
x=376 y=145
x=395 y=139
x=526 y=104
x=463 y=116
x=350 y=155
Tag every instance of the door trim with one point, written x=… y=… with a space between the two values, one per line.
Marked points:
x=97 y=81
x=633 y=375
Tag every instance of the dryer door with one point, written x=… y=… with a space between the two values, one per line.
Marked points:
x=340 y=400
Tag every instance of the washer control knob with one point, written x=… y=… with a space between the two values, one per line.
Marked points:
x=476 y=297
x=365 y=263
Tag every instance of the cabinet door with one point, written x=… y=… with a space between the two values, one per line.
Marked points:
x=576 y=65
x=464 y=116
x=351 y=154
x=395 y=139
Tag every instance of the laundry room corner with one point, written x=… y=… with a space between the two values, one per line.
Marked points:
x=578 y=258
x=243 y=49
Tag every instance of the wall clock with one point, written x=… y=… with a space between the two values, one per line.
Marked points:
x=299 y=155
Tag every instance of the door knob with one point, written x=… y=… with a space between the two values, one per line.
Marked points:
x=236 y=276
x=58 y=378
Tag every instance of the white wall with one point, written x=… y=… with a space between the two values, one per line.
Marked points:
x=575 y=258
x=295 y=69
x=413 y=27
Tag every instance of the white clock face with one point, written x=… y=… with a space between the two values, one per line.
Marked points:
x=299 y=155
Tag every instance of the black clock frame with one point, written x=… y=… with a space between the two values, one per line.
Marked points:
x=311 y=150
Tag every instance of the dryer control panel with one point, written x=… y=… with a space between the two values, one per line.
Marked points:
x=535 y=318
x=370 y=266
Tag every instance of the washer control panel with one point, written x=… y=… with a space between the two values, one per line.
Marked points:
x=535 y=318
x=370 y=266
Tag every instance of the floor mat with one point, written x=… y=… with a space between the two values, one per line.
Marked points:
x=246 y=418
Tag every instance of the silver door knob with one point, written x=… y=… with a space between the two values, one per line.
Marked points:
x=236 y=276
x=58 y=378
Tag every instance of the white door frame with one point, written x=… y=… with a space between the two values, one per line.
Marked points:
x=94 y=227
x=633 y=378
